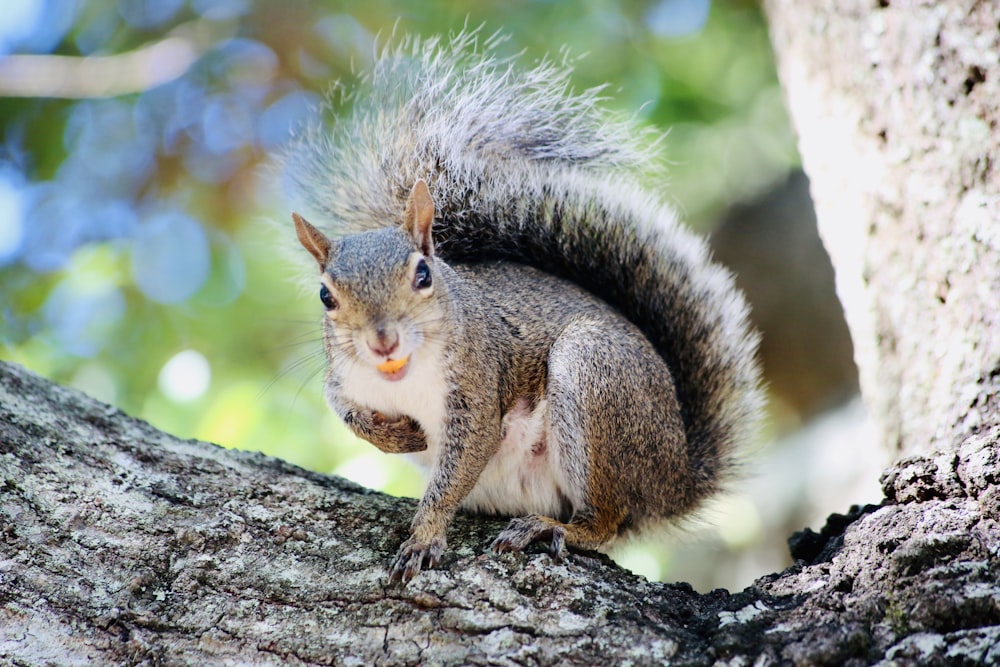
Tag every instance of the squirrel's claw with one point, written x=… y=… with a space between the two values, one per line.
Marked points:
x=411 y=557
x=522 y=531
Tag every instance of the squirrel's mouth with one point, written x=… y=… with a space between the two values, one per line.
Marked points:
x=393 y=369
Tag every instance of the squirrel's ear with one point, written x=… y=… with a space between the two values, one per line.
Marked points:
x=312 y=240
x=419 y=217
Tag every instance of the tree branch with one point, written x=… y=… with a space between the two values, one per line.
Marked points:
x=124 y=545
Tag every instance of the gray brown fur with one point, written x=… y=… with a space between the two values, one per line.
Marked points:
x=638 y=343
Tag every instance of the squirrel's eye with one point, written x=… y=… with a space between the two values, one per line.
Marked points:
x=328 y=301
x=422 y=276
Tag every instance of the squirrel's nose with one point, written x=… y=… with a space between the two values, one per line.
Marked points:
x=386 y=341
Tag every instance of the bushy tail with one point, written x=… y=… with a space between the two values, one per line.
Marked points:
x=522 y=169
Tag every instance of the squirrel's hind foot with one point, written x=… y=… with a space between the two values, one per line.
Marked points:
x=522 y=531
x=590 y=532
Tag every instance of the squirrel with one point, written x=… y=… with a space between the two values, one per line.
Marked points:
x=506 y=302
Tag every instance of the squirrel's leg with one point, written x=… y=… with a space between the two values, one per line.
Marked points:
x=470 y=438
x=614 y=423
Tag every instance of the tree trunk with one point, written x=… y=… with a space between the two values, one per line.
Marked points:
x=897 y=105
x=123 y=545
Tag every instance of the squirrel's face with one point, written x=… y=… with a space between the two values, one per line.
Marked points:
x=378 y=289
x=381 y=301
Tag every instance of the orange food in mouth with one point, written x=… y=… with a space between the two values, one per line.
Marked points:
x=392 y=365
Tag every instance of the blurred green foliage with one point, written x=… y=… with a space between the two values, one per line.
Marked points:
x=132 y=227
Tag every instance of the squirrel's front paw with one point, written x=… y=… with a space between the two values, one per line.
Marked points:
x=522 y=531
x=395 y=436
x=413 y=555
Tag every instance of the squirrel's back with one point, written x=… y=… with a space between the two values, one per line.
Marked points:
x=521 y=169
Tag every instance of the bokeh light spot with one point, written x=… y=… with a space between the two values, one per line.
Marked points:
x=148 y=13
x=83 y=320
x=18 y=19
x=364 y=469
x=221 y=10
x=42 y=33
x=641 y=561
x=185 y=376
x=740 y=522
x=106 y=148
x=678 y=18
x=170 y=257
x=232 y=415
x=227 y=124
x=293 y=111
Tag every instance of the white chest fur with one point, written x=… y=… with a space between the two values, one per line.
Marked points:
x=524 y=476
x=419 y=395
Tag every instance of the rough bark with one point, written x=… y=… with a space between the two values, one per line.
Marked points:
x=896 y=105
x=123 y=545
